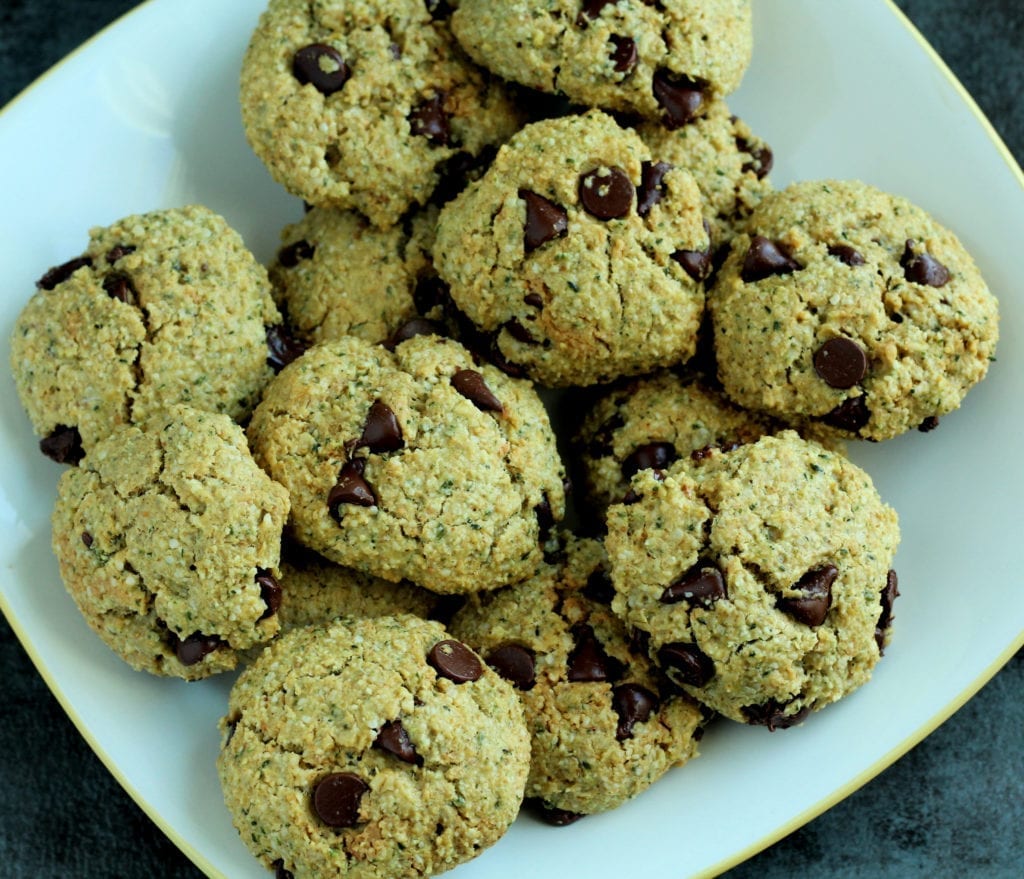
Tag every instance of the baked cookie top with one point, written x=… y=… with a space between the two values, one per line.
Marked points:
x=375 y=748
x=413 y=464
x=579 y=253
x=162 y=308
x=362 y=103
x=168 y=538
x=852 y=308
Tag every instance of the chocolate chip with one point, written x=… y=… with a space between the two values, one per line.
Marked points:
x=545 y=220
x=590 y=11
x=686 y=663
x=381 y=430
x=193 y=648
x=517 y=331
x=515 y=664
x=846 y=254
x=639 y=642
x=119 y=250
x=696 y=263
x=588 y=660
x=292 y=254
x=772 y=715
x=430 y=120
x=624 y=55
x=87 y=539
x=472 y=386
x=606 y=193
x=270 y=592
x=929 y=424
x=761 y=158
x=455 y=661
x=395 y=740
x=336 y=799
x=634 y=704
x=534 y=299
x=681 y=97
x=889 y=594
x=651 y=456
x=552 y=816
x=816 y=586
x=119 y=286
x=652 y=174
x=545 y=518
x=766 y=258
x=282 y=347
x=417 y=326
x=63 y=445
x=841 y=363
x=322 y=67
x=279 y=870
x=852 y=414
x=702 y=584
x=630 y=498
x=350 y=488
x=599 y=587
x=59 y=274
x=923 y=268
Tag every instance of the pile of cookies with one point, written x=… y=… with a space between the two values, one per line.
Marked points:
x=339 y=471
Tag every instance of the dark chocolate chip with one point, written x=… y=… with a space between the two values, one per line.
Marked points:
x=455 y=661
x=280 y=872
x=588 y=660
x=351 y=488
x=651 y=456
x=292 y=254
x=686 y=664
x=395 y=740
x=624 y=55
x=772 y=715
x=591 y=10
x=552 y=816
x=63 y=445
x=517 y=331
x=192 y=649
x=889 y=595
x=761 y=158
x=534 y=299
x=515 y=664
x=846 y=254
x=606 y=193
x=681 y=97
x=652 y=174
x=282 y=347
x=87 y=539
x=841 y=363
x=270 y=592
x=336 y=799
x=119 y=286
x=417 y=326
x=702 y=584
x=381 y=430
x=923 y=268
x=639 y=642
x=59 y=274
x=119 y=250
x=766 y=258
x=852 y=414
x=630 y=498
x=545 y=220
x=816 y=588
x=696 y=263
x=634 y=704
x=322 y=67
x=472 y=386
x=929 y=424
x=599 y=587
x=430 y=120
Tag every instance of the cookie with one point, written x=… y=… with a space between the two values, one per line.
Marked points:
x=853 y=309
x=762 y=576
x=363 y=104
x=664 y=61
x=602 y=728
x=162 y=308
x=577 y=254
x=413 y=464
x=371 y=749
x=168 y=538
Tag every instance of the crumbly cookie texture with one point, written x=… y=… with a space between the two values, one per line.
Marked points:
x=577 y=254
x=168 y=538
x=851 y=308
x=602 y=728
x=162 y=308
x=662 y=60
x=374 y=748
x=363 y=103
x=414 y=464
x=762 y=575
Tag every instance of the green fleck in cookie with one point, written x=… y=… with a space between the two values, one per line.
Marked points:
x=168 y=538
x=762 y=575
x=851 y=308
x=374 y=748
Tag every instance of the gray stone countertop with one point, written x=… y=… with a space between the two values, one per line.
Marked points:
x=952 y=807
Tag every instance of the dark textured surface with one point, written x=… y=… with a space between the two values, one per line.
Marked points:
x=952 y=807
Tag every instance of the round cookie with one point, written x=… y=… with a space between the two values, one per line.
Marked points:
x=363 y=103
x=370 y=749
x=168 y=538
x=761 y=574
x=853 y=309
x=602 y=727
x=415 y=464
x=162 y=308
x=663 y=60
x=580 y=259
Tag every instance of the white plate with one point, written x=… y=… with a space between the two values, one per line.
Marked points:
x=145 y=116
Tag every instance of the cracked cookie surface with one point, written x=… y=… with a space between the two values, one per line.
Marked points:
x=377 y=749
x=168 y=538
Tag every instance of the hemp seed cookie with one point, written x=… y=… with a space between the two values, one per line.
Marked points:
x=162 y=308
x=853 y=309
x=363 y=103
x=372 y=749
x=662 y=60
x=413 y=464
x=168 y=539
x=577 y=254
x=602 y=728
x=762 y=575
